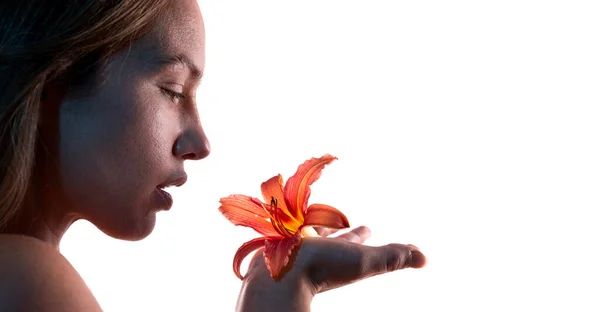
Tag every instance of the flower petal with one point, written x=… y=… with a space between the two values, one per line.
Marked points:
x=273 y=188
x=243 y=210
x=272 y=191
x=244 y=251
x=277 y=253
x=297 y=187
x=325 y=216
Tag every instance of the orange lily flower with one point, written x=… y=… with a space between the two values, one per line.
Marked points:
x=284 y=218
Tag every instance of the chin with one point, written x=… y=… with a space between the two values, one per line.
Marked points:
x=130 y=230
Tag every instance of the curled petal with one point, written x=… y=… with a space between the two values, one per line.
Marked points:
x=244 y=251
x=277 y=253
x=325 y=216
x=297 y=187
x=272 y=191
x=243 y=210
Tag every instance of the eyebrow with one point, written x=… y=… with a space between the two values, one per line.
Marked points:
x=180 y=59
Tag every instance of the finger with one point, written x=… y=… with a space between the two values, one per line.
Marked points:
x=324 y=232
x=394 y=257
x=358 y=235
x=356 y=262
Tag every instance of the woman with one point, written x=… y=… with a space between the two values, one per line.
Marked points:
x=97 y=116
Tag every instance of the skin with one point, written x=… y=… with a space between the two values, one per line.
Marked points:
x=108 y=149
x=111 y=149
x=320 y=265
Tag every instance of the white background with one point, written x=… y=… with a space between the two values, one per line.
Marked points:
x=468 y=128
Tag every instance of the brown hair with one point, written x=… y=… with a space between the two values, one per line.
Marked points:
x=43 y=41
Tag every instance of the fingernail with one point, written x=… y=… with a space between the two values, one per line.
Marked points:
x=417 y=259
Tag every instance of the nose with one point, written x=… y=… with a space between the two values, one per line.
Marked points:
x=192 y=144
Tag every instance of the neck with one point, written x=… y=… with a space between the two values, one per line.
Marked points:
x=41 y=219
x=44 y=214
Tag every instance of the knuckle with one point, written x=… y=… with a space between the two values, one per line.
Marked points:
x=396 y=257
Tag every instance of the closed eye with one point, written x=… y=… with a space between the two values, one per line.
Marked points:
x=174 y=96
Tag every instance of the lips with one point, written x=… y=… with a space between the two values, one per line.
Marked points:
x=176 y=182
x=163 y=196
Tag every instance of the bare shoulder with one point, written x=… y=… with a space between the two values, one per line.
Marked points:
x=36 y=277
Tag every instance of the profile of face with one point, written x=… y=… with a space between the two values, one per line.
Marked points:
x=120 y=146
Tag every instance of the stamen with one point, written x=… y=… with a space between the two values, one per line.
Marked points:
x=273 y=201
x=276 y=221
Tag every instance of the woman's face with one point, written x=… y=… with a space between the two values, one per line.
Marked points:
x=121 y=145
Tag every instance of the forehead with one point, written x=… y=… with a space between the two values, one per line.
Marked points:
x=179 y=31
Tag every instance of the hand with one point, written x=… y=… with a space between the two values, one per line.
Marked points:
x=321 y=264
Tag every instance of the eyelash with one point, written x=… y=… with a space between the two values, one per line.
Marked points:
x=174 y=96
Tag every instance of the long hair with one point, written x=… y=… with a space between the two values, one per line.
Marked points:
x=42 y=41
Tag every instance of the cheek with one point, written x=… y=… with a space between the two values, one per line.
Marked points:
x=113 y=156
